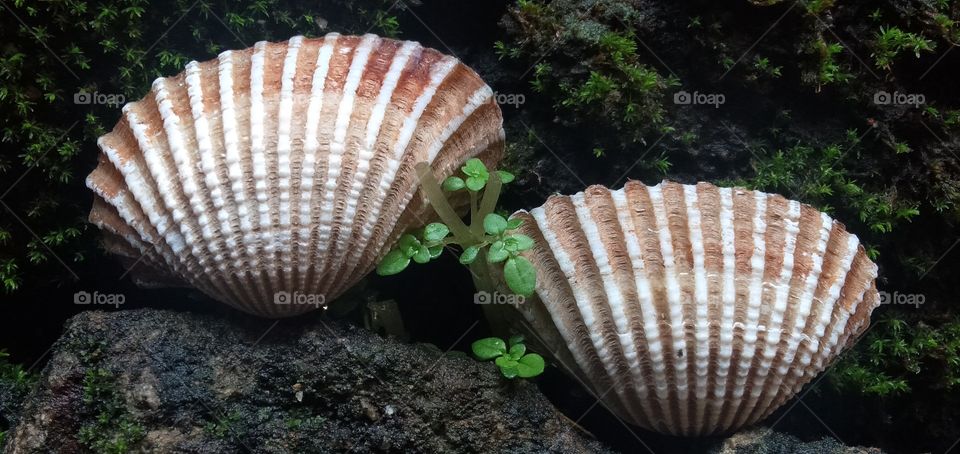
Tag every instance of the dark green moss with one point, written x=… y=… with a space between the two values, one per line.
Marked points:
x=15 y=384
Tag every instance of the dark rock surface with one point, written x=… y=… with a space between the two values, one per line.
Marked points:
x=162 y=381
x=165 y=381
x=764 y=441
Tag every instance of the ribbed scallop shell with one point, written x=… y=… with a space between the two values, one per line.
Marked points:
x=285 y=167
x=694 y=310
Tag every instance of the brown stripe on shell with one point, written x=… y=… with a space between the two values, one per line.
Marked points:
x=377 y=65
x=774 y=239
x=601 y=209
x=644 y=218
x=678 y=226
x=708 y=197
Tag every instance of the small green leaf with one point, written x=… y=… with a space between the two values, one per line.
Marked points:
x=488 y=348
x=530 y=365
x=435 y=251
x=394 y=262
x=422 y=255
x=514 y=223
x=509 y=367
x=408 y=244
x=469 y=255
x=521 y=241
x=515 y=339
x=505 y=177
x=475 y=168
x=497 y=252
x=436 y=231
x=517 y=351
x=520 y=275
x=494 y=224
x=475 y=183
x=453 y=184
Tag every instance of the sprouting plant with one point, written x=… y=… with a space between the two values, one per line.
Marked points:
x=891 y=41
x=512 y=358
x=830 y=71
x=901 y=147
x=540 y=72
x=502 y=50
x=662 y=163
x=489 y=238
x=387 y=24
x=762 y=65
x=10 y=275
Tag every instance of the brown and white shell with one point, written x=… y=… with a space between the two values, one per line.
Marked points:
x=286 y=170
x=693 y=310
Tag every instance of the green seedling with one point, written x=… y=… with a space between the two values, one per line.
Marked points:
x=512 y=359
x=489 y=239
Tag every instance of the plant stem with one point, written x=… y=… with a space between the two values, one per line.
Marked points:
x=473 y=212
x=490 y=195
x=495 y=314
x=439 y=202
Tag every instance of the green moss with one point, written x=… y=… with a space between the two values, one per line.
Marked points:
x=826 y=178
x=830 y=71
x=891 y=42
x=110 y=429
x=893 y=357
x=590 y=66
x=223 y=427
x=15 y=384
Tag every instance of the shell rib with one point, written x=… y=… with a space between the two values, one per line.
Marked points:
x=285 y=167
x=693 y=310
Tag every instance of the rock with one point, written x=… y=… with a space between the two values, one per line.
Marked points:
x=764 y=441
x=163 y=381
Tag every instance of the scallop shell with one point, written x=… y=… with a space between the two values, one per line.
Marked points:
x=286 y=167
x=693 y=310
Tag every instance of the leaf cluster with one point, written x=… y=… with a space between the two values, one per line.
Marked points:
x=511 y=357
x=490 y=235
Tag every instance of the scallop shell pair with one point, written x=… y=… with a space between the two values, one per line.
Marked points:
x=275 y=177
x=693 y=310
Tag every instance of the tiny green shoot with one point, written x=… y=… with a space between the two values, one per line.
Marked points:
x=511 y=357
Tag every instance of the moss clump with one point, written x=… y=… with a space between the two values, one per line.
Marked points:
x=895 y=354
x=109 y=426
x=15 y=384
x=823 y=177
x=589 y=66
